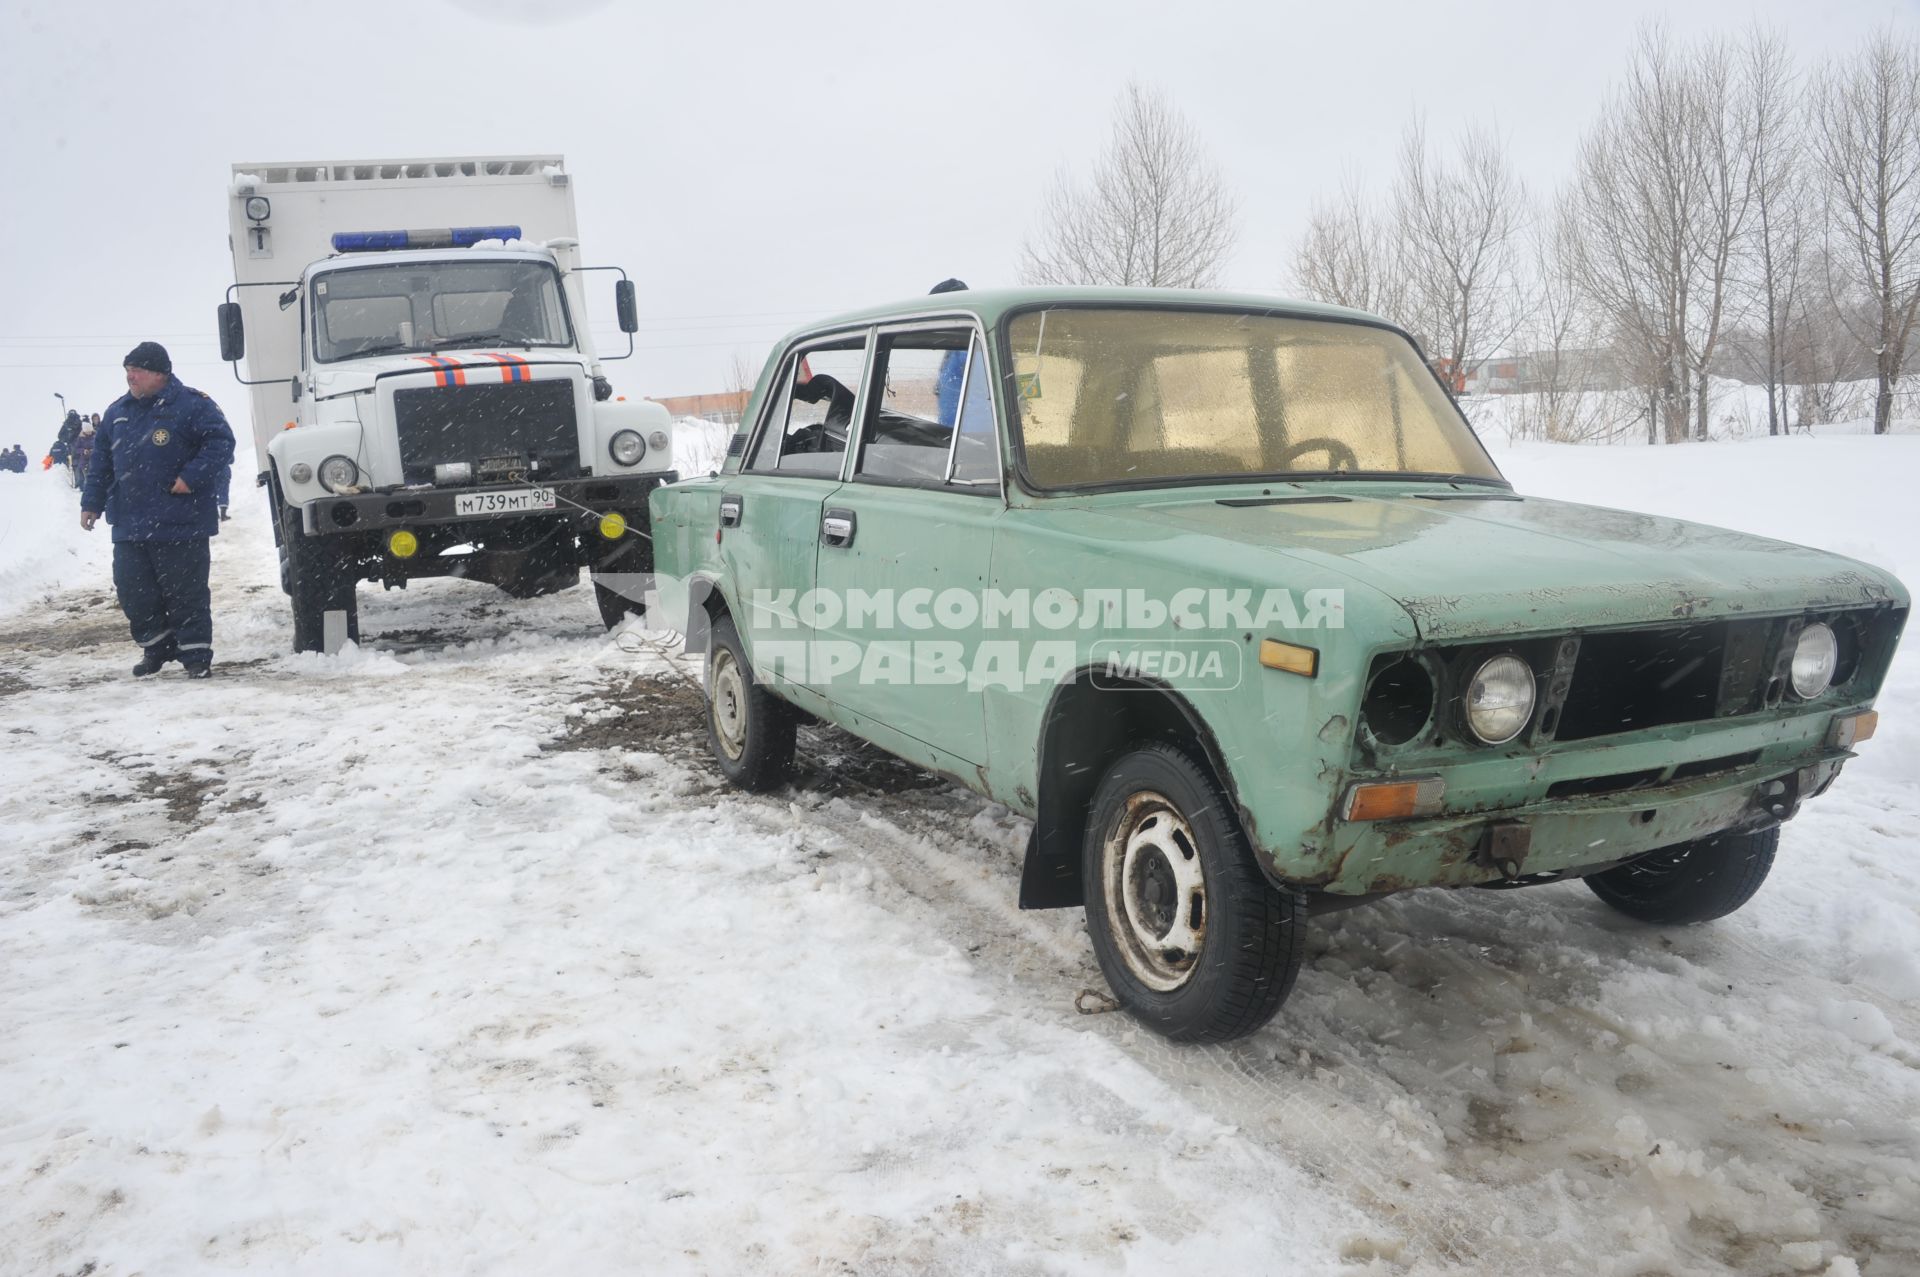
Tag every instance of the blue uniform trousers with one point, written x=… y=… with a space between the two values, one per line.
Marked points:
x=163 y=590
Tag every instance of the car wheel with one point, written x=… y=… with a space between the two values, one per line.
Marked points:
x=1694 y=882
x=1192 y=939
x=749 y=729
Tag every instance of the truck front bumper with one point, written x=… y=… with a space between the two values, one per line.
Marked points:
x=576 y=501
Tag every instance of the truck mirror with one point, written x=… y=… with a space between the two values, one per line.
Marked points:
x=623 y=302
x=233 y=332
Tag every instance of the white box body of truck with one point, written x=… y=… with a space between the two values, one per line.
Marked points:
x=427 y=399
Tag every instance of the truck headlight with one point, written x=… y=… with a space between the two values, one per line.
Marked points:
x=658 y=441
x=1500 y=699
x=627 y=447
x=300 y=472
x=337 y=474
x=1815 y=657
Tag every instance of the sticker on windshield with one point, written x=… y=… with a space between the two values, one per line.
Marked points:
x=1028 y=384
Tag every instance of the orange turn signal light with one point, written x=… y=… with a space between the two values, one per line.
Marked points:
x=1290 y=657
x=1395 y=799
x=1851 y=729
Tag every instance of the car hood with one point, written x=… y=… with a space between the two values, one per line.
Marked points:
x=1467 y=565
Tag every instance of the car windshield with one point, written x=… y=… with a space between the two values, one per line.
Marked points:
x=1147 y=396
x=436 y=306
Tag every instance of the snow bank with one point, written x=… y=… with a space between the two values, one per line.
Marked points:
x=42 y=549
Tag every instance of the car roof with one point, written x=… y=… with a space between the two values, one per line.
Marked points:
x=990 y=304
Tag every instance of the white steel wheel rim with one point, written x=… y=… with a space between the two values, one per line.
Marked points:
x=727 y=701
x=1156 y=892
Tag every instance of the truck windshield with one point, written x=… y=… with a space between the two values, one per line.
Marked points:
x=429 y=306
x=1142 y=396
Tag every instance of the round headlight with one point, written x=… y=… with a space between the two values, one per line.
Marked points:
x=300 y=472
x=627 y=447
x=1500 y=699
x=658 y=440
x=338 y=474
x=1815 y=657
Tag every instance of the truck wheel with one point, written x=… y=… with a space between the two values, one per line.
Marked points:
x=1192 y=939
x=749 y=729
x=318 y=580
x=1694 y=882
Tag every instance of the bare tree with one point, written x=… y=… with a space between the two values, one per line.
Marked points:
x=1866 y=120
x=1661 y=190
x=1720 y=120
x=1156 y=213
x=1633 y=194
x=1458 y=228
x=1779 y=227
x=1347 y=257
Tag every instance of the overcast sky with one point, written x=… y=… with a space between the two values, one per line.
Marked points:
x=751 y=166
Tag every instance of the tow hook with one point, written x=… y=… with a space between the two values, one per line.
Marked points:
x=1505 y=847
x=1781 y=798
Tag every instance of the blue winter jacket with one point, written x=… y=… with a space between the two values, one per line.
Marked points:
x=142 y=446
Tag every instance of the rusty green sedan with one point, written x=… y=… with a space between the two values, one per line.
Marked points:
x=1224 y=595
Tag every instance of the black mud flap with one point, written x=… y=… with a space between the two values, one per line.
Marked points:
x=1049 y=880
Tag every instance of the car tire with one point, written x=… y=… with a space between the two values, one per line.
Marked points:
x=749 y=729
x=1694 y=882
x=1193 y=940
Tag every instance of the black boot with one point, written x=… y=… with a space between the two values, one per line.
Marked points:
x=200 y=671
x=152 y=660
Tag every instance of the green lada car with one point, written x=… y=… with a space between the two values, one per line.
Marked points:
x=1224 y=595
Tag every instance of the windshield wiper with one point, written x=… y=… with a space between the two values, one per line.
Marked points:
x=384 y=348
x=479 y=339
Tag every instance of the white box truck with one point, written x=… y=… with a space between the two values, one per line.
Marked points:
x=427 y=400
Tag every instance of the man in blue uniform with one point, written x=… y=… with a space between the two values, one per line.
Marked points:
x=159 y=462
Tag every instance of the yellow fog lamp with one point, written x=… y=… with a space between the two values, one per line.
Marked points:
x=1850 y=729
x=613 y=526
x=1290 y=657
x=1394 y=799
x=402 y=544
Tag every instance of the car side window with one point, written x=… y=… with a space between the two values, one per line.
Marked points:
x=976 y=455
x=813 y=415
x=930 y=386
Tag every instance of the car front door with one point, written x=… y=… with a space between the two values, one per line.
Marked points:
x=907 y=544
x=770 y=511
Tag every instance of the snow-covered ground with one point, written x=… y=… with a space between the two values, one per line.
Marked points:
x=453 y=955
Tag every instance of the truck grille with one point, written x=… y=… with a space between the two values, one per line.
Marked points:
x=440 y=425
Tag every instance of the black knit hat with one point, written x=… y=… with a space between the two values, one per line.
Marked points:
x=150 y=355
x=948 y=286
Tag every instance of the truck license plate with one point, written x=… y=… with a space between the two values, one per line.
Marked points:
x=509 y=501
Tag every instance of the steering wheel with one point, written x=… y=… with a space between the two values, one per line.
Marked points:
x=1341 y=455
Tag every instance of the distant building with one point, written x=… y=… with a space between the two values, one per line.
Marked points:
x=1586 y=368
x=727 y=407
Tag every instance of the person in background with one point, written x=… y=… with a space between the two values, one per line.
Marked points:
x=953 y=369
x=82 y=452
x=162 y=457
x=14 y=459
x=62 y=451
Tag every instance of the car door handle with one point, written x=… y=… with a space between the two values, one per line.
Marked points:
x=837 y=528
x=730 y=508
